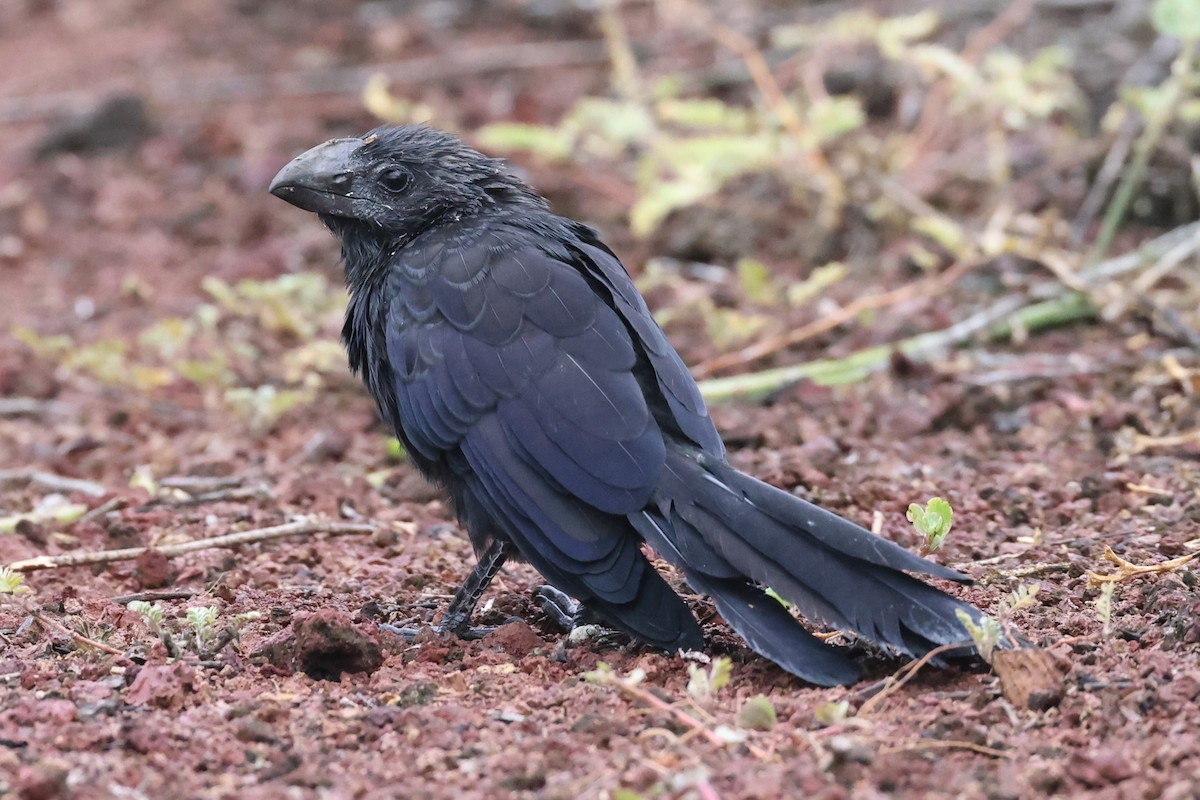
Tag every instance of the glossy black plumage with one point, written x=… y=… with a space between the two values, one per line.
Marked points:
x=522 y=370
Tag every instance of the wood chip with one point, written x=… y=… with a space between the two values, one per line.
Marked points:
x=1030 y=678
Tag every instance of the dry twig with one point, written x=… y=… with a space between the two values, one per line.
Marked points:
x=300 y=528
x=1143 y=442
x=828 y=181
x=930 y=287
x=903 y=676
x=957 y=744
x=695 y=726
x=78 y=638
x=931 y=127
x=52 y=481
x=1127 y=569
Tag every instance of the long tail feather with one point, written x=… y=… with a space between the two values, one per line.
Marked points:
x=733 y=535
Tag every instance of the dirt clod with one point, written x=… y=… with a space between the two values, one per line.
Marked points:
x=516 y=638
x=1097 y=768
x=154 y=570
x=324 y=645
x=162 y=686
x=1030 y=678
x=42 y=783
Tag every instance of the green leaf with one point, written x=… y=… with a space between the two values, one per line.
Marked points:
x=702 y=684
x=151 y=614
x=832 y=713
x=656 y=205
x=895 y=34
x=1024 y=596
x=12 y=582
x=549 y=143
x=833 y=117
x=820 y=279
x=986 y=633
x=774 y=594
x=395 y=450
x=757 y=714
x=942 y=230
x=53 y=512
x=625 y=794
x=720 y=672
x=933 y=522
x=1177 y=18
x=610 y=125
x=201 y=619
x=704 y=114
x=603 y=673
x=755 y=278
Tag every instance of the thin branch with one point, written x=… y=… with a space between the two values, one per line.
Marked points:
x=153 y=596
x=1109 y=171
x=33 y=407
x=111 y=504
x=51 y=625
x=695 y=726
x=300 y=528
x=682 y=717
x=486 y=59
x=957 y=744
x=200 y=484
x=1056 y=306
x=928 y=288
x=903 y=676
x=827 y=179
x=50 y=480
x=1142 y=442
x=931 y=127
x=1127 y=569
x=858 y=365
x=1147 y=143
x=257 y=492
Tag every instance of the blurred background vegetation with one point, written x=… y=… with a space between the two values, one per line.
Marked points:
x=802 y=190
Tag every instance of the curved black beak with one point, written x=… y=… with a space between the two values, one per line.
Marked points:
x=322 y=179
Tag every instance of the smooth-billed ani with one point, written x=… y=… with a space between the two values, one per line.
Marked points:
x=523 y=372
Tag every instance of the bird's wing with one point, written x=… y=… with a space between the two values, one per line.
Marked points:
x=688 y=413
x=512 y=359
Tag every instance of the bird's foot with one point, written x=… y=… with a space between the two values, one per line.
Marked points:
x=454 y=625
x=574 y=619
x=560 y=607
x=466 y=633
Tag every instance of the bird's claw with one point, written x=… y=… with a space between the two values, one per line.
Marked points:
x=574 y=619
x=561 y=608
x=462 y=631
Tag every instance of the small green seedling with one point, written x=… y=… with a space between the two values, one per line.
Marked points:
x=832 y=713
x=775 y=595
x=703 y=685
x=202 y=620
x=986 y=633
x=932 y=522
x=12 y=583
x=604 y=674
x=151 y=614
x=757 y=714
x=1024 y=596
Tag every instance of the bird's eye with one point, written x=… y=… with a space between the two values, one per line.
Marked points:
x=394 y=179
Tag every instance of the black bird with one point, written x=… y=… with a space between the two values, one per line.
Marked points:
x=524 y=374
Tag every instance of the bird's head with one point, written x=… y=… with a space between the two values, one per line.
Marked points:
x=397 y=181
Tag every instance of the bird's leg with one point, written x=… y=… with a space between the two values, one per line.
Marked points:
x=458 y=614
x=575 y=619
